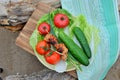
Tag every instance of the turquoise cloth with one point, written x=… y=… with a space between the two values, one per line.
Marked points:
x=104 y=15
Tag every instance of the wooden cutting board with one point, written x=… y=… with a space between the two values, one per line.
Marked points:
x=24 y=36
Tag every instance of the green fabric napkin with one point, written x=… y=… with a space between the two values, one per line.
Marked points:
x=104 y=15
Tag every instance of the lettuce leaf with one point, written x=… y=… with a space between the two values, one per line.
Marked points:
x=35 y=37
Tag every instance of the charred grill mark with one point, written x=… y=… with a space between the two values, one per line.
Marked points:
x=60 y=50
x=52 y=41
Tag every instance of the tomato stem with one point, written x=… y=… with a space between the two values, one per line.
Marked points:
x=44 y=27
x=51 y=52
x=55 y=51
x=47 y=31
x=45 y=48
x=62 y=18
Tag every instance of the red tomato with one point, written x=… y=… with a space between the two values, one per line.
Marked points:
x=52 y=57
x=61 y=20
x=42 y=47
x=44 y=28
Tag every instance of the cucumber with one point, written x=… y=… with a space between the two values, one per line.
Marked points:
x=82 y=40
x=74 y=49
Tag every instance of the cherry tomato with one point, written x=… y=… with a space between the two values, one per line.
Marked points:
x=44 y=28
x=52 y=57
x=42 y=47
x=61 y=20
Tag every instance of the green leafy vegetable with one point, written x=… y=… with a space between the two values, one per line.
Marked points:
x=44 y=18
x=73 y=61
x=35 y=37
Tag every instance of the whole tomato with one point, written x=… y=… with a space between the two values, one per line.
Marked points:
x=44 y=28
x=52 y=57
x=61 y=20
x=42 y=47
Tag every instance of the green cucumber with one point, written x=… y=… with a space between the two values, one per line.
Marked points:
x=75 y=50
x=82 y=40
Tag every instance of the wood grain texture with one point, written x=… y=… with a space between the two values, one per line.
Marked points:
x=23 y=39
x=18 y=11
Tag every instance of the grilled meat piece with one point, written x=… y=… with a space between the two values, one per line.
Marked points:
x=63 y=50
x=51 y=39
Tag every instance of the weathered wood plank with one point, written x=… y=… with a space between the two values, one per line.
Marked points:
x=16 y=12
